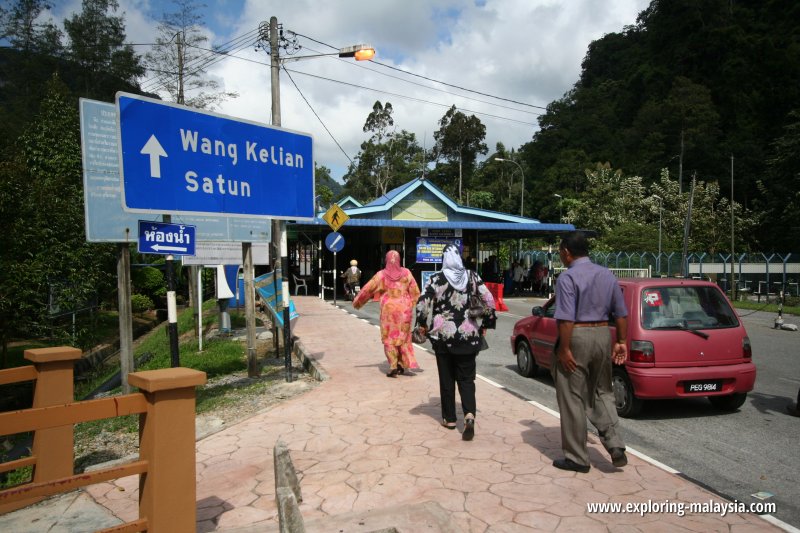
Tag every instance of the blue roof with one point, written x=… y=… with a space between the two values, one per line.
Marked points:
x=371 y=222
x=489 y=221
x=391 y=198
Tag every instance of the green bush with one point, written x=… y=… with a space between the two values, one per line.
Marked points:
x=141 y=303
x=148 y=281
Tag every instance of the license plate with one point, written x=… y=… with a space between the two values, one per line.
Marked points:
x=702 y=386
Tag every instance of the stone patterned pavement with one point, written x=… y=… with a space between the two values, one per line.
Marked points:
x=368 y=448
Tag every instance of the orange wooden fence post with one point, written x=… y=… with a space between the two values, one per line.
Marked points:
x=53 y=447
x=167 y=492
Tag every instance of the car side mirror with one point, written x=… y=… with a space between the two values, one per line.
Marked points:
x=537 y=311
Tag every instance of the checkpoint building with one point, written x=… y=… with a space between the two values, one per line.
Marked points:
x=415 y=219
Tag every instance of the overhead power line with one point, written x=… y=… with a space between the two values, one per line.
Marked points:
x=316 y=115
x=432 y=79
x=397 y=95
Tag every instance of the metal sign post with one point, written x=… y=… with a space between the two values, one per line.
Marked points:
x=335 y=243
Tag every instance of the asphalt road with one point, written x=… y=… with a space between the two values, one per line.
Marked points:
x=752 y=450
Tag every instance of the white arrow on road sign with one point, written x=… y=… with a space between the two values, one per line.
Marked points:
x=154 y=149
x=158 y=248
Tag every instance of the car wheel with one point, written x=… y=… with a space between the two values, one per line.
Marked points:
x=525 y=361
x=731 y=402
x=627 y=404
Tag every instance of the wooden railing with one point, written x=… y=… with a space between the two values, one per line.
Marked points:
x=166 y=464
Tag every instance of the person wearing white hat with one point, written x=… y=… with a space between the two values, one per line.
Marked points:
x=352 y=278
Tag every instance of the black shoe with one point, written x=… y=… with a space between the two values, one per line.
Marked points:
x=469 y=429
x=400 y=369
x=392 y=373
x=618 y=457
x=793 y=409
x=569 y=464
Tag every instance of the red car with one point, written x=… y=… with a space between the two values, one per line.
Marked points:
x=684 y=340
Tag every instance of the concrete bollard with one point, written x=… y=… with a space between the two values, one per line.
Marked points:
x=285 y=474
x=289 y=518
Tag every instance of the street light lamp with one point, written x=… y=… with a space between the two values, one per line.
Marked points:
x=522 y=184
x=559 y=206
x=360 y=52
x=660 y=206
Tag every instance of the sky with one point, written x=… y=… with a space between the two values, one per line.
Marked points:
x=508 y=58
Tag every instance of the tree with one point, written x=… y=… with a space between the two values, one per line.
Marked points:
x=21 y=26
x=376 y=153
x=685 y=125
x=26 y=66
x=44 y=245
x=781 y=188
x=327 y=189
x=97 y=44
x=179 y=57
x=460 y=139
x=626 y=213
x=387 y=159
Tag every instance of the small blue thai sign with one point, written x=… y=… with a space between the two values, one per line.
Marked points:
x=166 y=239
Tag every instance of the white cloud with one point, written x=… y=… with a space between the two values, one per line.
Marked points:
x=524 y=50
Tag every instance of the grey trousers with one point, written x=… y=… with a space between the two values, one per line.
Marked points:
x=587 y=393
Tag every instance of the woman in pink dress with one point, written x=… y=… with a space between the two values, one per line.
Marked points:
x=398 y=292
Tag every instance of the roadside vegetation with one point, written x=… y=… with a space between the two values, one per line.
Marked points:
x=229 y=393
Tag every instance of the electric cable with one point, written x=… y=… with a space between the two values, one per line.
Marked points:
x=316 y=115
x=431 y=79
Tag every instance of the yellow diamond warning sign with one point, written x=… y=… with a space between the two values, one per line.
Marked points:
x=335 y=217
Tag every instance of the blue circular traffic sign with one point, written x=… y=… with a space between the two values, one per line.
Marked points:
x=334 y=242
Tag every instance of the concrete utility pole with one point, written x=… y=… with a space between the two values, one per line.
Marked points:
x=279 y=226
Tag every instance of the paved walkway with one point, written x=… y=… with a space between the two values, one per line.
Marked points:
x=371 y=454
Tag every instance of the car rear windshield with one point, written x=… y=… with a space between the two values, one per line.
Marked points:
x=687 y=307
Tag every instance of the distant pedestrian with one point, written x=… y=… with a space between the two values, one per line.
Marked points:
x=442 y=314
x=519 y=277
x=352 y=278
x=398 y=292
x=586 y=295
x=536 y=275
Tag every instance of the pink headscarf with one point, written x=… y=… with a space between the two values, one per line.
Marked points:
x=393 y=270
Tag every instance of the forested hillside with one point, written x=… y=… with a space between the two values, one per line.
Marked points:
x=695 y=82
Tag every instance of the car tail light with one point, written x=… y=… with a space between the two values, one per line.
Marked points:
x=642 y=352
x=747 y=349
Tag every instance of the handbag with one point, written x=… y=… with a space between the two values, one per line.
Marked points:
x=484 y=344
x=418 y=337
x=477 y=307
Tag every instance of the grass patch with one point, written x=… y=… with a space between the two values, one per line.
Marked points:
x=219 y=357
x=767 y=308
x=16 y=354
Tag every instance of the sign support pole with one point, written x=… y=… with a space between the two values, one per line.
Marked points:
x=172 y=311
x=172 y=314
x=334 y=279
x=250 y=309
x=199 y=308
x=125 y=324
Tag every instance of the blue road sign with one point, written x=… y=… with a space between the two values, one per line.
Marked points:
x=166 y=239
x=105 y=221
x=177 y=160
x=334 y=242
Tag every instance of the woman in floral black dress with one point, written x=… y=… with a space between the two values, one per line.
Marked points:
x=456 y=338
